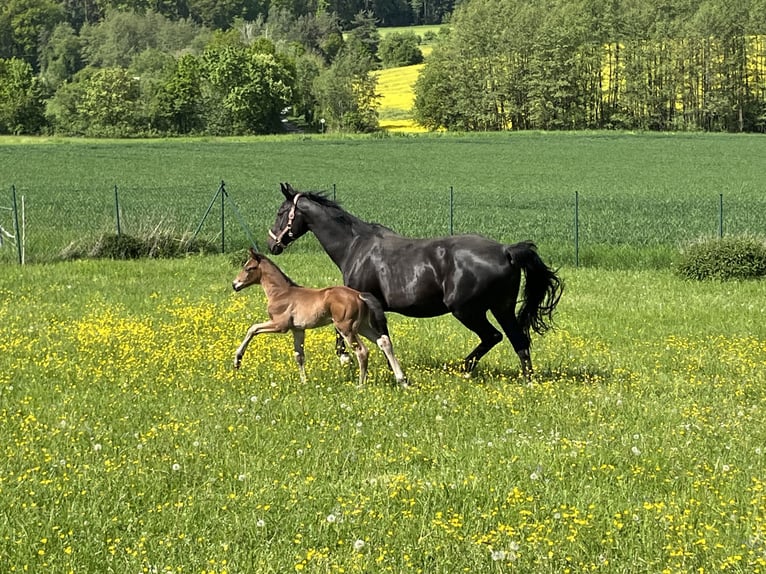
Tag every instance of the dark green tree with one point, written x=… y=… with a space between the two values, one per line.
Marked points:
x=180 y=105
x=60 y=57
x=24 y=23
x=21 y=103
x=400 y=49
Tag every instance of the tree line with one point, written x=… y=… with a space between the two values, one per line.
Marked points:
x=140 y=68
x=596 y=64
x=141 y=73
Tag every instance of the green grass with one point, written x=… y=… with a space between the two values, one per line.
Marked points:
x=641 y=195
x=131 y=445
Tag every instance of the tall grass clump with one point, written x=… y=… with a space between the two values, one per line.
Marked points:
x=735 y=257
x=154 y=245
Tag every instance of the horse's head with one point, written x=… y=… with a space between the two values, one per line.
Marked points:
x=290 y=223
x=251 y=272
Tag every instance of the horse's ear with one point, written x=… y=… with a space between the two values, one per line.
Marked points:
x=253 y=253
x=287 y=190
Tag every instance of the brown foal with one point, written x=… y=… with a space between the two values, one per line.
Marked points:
x=295 y=308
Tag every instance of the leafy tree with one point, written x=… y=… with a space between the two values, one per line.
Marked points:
x=111 y=104
x=246 y=89
x=180 y=105
x=21 y=104
x=25 y=22
x=364 y=31
x=345 y=92
x=122 y=35
x=400 y=49
x=60 y=56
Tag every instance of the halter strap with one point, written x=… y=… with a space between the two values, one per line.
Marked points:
x=289 y=227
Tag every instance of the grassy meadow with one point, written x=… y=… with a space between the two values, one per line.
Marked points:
x=131 y=445
x=640 y=195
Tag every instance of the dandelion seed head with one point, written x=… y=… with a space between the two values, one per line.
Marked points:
x=358 y=544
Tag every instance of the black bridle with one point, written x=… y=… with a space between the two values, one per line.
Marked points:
x=288 y=229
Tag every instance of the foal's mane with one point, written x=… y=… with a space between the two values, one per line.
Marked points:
x=340 y=214
x=279 y=270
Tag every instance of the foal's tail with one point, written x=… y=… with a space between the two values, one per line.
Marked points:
x=542 y=289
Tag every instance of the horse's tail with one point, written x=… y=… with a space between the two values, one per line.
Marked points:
x=542 y=289
x=377 y=316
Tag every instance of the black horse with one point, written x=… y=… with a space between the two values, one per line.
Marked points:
x=466 y=275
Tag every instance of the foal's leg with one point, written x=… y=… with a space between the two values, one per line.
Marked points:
x=299 y=336
x=340 y=349
x=257 y=329
x=520 y=340
x=477 y=322
x=352 y=340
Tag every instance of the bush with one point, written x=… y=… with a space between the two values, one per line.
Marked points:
x=400 y=49
x=736 y=257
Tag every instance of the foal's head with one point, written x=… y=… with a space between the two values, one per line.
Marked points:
x=251 y=272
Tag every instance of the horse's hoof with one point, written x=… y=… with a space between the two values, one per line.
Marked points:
x=345 y=360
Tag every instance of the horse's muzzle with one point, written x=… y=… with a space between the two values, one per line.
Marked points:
x=237 y=286
x=276 y=248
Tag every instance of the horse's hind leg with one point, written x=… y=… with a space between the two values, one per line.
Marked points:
x=375 y=328
x=352 y=340
x=383 y=341
x=477 y=322
x=519 y=339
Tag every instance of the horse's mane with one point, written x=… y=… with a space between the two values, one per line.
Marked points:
x=342 y=215
x=282 y=273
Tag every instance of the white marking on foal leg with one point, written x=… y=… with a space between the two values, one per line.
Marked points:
x=384 y=342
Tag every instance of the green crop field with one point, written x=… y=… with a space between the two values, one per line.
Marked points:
x=131 y=445
x=640 y=195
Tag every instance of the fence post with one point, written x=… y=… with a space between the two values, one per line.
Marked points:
x=117 y=210
x=223 y=216
x=16 y=229
x=720 y=216
x=577 y=228
x=451 y=208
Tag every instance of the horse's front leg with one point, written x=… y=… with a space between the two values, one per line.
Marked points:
x=340 y=349
x=257 y=329
x=299 y=336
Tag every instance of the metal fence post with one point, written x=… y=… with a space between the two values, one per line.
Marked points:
x=720 y=216
x=16 y=228
x=577 y=228
x=117 y=210
x=451 y=208
x=222 y=189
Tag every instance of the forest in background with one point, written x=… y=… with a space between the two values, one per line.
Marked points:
x=595 y=64
x=138 y=69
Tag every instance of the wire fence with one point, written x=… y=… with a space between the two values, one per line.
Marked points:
x=570 y=229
